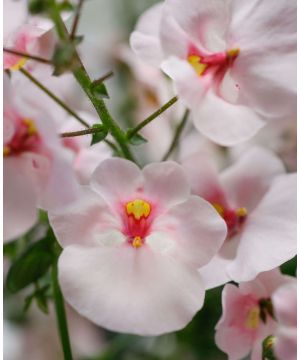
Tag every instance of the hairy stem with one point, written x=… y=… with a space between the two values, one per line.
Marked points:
x=85 y=82
x=151 y=117
x=61 y=315
x=177 y=135
x=28 y=56
x=53 y=97
x=82 y=132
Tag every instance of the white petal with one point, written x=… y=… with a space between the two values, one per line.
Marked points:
x=130 y=290
x=269 y=236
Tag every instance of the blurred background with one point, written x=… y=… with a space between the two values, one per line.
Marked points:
x=135 y=92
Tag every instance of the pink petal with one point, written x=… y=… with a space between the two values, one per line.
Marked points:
x=131 y=290
x=248 y=179
x=285 y=304
x=166 y=183
x=144 y=41
x=197 y=229
x=269 y=235
x=225 y=123
x=19 y=203
x=84 y=221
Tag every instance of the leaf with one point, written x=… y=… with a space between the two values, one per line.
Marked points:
x=267 y=348
x=64 y=58
x=41 y=298
x=137 y=139
x=38 y=6
x=99 y=135
x=99 y=90
x=32 y=264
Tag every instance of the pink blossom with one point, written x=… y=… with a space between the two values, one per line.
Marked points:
x=285 y=308
x=257 y=201
x=133 y=242
x=36 y=173
x=248 y=317
x=226 y=59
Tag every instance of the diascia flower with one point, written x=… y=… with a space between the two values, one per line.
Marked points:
x=132 y=243
x=257 y=200
x=248 y=315
x=233 y=62
x=27 y=34
x=284 y=301
x=36 y=173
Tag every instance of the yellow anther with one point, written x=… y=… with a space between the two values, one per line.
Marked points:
x=252 y=319
x=195 y=61
x=138 y=208
x=31 y=127
x=241 y=212
x=19 y=64
x=6 y=150
x=219 y=208
x=137 y=242
x=233 y=52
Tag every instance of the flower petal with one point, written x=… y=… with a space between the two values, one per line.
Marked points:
x=269 y=235
x=197 y=229
x=132 y=290
x=144 y=41
x=166 y=183
x=225 y=123
x=84 y=221
x=19 y=203
x=248 y=179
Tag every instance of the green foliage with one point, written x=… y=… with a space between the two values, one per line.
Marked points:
x=41 y=298
x=64 y=58
x=38 y=6
x=99 y=90
x=137 y=139
x=32 y=264
x=267 y=348
x=99 y=135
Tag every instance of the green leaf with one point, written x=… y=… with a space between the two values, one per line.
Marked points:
x=99 y=135
x=99 y=90
x=137 y=139
x=65 y=6
x=64 y=58
x=32 y=264
x=41 y=298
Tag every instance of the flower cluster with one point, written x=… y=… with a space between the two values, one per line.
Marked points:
x=138 y=246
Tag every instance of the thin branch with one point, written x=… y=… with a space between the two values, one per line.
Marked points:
x=151 y=117
x=177 y=135
x=53 y=97
x=28 y=56
x=76 y=20
x=82 y=132
x=103 y=78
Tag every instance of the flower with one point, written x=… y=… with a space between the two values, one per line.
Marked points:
x=27 y=34
x=133 y=241
x=248 y=315
x=258 y=203
x=284 y=300
x=232 y=62
x=36 y=173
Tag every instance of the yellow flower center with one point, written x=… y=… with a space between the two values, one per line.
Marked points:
x=31 y=128
x=195 y=61
x=137 y=242
x=19 y=64
x=252 y=318
x=138 y=208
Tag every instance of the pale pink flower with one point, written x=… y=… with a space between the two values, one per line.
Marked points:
x=226 y=59
x=258 y=203
x=36 y=173
x=284 y=300
x=133 y=242
x=27 y=34
x=248 y=316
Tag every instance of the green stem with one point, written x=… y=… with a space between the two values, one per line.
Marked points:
x=76 y=19
x=177 y=135
x=82 y=132
x=151 y=117
x=53 y=97
x=85 y=82
x=61 y=315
